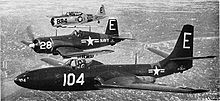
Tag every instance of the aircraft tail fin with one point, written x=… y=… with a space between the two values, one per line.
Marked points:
x=112 y=27
x=183 y=48
x=101 y=11
x=182 y=54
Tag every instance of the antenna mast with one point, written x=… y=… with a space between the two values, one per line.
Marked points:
x=135 y=61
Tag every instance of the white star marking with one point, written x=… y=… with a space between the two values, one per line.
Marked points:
x=90 y=41
x=156 y=71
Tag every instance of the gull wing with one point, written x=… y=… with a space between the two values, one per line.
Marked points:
x=115 y=79
x=88 y=53
x=68 y=52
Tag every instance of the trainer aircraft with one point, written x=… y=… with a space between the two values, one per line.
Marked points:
x=77 y=18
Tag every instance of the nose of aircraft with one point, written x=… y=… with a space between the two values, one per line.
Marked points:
x=52 y=21
x=21 y=79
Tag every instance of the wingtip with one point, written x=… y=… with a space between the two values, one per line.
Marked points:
x=211 y=56
x=110 y=51
x=200 y=91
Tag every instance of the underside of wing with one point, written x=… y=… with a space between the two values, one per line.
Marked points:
x=53 y=62
x=68 y=52
x=115 y=79
x=88 y=53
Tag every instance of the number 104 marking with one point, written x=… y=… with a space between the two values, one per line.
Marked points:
x=70 y=79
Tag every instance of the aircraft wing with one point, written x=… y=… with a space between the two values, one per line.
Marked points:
x=115 y=79
x=88 y=53
x=158 y=52
x=123 y=38
x=68 y=52
x=52 y=61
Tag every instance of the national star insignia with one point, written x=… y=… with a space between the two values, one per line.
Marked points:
x=90 y=41
x=156 y=70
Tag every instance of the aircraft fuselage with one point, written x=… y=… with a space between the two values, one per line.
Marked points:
x=67 y=78
x=59 y=21
x=81 y=41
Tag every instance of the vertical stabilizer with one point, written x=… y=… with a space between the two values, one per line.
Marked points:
x=112 y=27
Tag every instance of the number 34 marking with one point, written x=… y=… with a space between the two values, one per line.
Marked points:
x=70 y=79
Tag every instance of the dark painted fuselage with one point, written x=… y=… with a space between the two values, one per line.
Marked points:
x=67 y=78
x=75 y=42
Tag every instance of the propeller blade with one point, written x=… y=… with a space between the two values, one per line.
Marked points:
x=30 y=32
x=29 y=44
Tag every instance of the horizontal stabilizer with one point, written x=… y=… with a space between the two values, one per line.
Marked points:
x=158 y=52
x=191 y=58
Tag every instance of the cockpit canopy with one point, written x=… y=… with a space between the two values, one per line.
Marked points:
x=76 y=33
x=77 y=63
x=73 y=13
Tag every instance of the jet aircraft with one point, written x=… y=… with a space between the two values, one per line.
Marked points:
x=73 y=45
x=94 y=75
x=77 y=18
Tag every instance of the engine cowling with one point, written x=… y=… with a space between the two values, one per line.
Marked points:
x=145 y=79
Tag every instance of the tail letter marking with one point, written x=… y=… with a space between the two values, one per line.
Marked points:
x=111 y=25
x=185 y=40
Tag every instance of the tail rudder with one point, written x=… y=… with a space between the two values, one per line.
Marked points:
x=184 y=44
x=182 y=49
x=181 y=58
x=101 y=11
x=112 y=27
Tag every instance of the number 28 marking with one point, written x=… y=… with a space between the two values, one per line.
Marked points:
x=46 y=45
x=70 y=79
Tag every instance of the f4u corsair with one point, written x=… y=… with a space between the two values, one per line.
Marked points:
x=73 y=45
x=77 y=18
x=96 y=75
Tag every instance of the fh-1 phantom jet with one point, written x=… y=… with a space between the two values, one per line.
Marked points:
x=77 y=43
x=74 y=18
x=79 y=75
